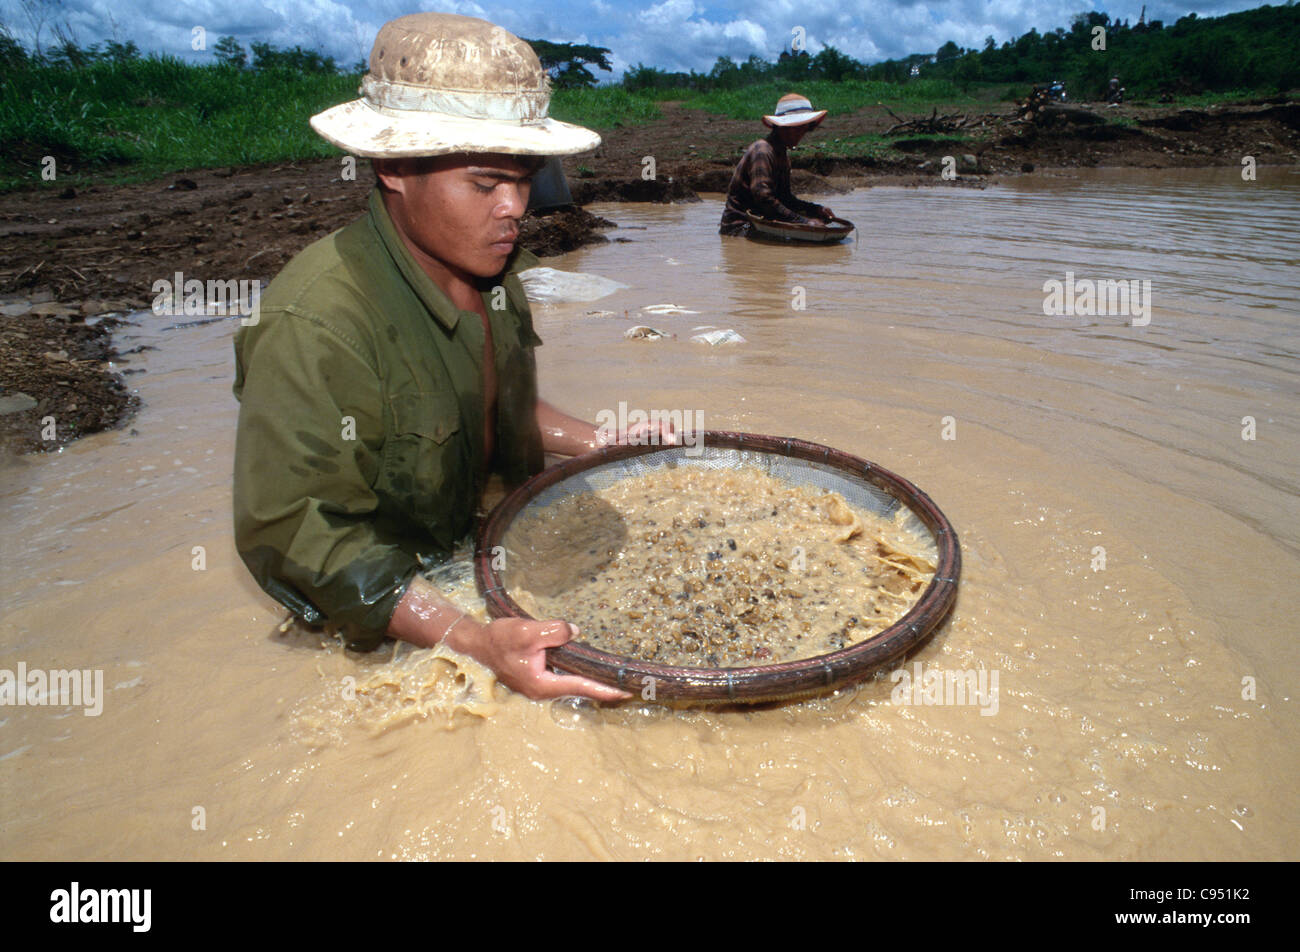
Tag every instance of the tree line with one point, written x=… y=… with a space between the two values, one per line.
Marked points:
x=1253 y=49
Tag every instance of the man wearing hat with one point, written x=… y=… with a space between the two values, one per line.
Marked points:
x=761 y=182
x=391 y=370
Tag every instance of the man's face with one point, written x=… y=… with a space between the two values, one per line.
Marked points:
x=791 y=135
x=461 y=210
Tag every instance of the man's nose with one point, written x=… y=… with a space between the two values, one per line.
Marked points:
x=514 y=201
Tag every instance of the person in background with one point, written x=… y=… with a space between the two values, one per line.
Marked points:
x=761 y=183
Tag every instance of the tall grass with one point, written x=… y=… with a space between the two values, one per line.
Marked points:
x=146 y=117
x=604 y=107
x=160 y=114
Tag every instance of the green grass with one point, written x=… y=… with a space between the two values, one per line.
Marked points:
x=1202 y=100
x=605 y=107
x=141 y=119
x=151 y=116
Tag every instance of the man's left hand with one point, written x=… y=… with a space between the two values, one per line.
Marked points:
x=661 y=433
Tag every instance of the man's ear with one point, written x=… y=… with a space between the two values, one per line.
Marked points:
x=390 y=173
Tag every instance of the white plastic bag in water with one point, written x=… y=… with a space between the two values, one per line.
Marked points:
x=550 y=286
x=714 y=338
x=645 y=332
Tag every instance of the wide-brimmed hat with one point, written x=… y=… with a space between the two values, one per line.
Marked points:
x=440 y=83
x=794 y=110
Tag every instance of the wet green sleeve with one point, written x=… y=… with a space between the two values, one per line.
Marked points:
x=307 y=452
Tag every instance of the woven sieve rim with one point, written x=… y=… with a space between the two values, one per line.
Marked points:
x=825 y=672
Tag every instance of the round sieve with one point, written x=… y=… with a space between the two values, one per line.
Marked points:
x=862 y=484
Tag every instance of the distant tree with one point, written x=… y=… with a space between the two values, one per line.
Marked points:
x=793 y=66
x=949 y=50
x=294 y=59
x=754 y=69
x=831 y=64
x=968 y=70
x=642 y=77
x=566 y=63
x=725 y=74
x=121 y=52
x=229 y=52
x=890 y=71
x=1082 y=23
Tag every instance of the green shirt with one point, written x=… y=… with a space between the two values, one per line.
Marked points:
x=359 y=457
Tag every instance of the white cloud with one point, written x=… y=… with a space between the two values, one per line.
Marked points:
x=672 y=34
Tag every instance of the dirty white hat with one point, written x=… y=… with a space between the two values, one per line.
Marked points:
x=794 y=110
x=441 y=83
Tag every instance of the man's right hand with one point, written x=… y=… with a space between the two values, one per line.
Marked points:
x=515 y=649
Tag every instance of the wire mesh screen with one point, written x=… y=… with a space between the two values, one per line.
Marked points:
x=795 y=463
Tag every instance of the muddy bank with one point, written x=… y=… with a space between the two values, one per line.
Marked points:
x=57 y=381
x=695 y=152
x=558 y=231
x=71 y=257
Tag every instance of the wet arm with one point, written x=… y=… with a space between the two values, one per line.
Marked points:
x=565 y=435
x=810 y=209
x=798 y=205
x=768 y=202
x=514 y=648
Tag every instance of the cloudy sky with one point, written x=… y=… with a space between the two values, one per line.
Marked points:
x=671 y=34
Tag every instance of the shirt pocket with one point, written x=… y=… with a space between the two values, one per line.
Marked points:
x=429 y=477
x=433 y=416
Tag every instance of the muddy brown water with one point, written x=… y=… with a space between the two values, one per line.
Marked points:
x=1130 y=566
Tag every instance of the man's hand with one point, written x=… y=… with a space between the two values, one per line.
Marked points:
x=516 y=650
x=512 y=647
x=569 y=436
x=661 y=434
x=826 y=214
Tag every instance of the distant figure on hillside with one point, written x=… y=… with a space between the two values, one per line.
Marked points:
x=761 y=182
x=1115 y=92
